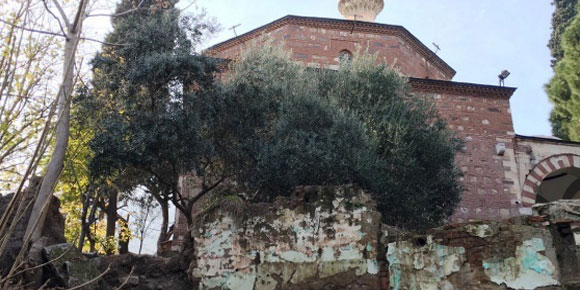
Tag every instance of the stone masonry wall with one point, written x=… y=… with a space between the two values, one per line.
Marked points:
x=312 y=242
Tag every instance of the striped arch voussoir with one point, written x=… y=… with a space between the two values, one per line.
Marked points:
x=543 y=169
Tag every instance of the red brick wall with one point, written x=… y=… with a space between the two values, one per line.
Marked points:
x=481 y=122
x=318 y=47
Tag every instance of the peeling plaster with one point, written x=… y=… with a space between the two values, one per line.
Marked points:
x=423 y=267
x=293 y=245
x=296 y=245
x=529 y=269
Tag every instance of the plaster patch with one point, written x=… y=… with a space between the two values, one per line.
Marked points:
x=527 y=270
x=482 y=231
x=350 y=252
x=241 y=281
x=296 y=257
x=328 y=254
x=426 y=267
x=372 y=267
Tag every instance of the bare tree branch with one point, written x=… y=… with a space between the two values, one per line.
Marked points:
x=121 y=13
x=91 y=281
x=62 y=14
x=102 y=42
x=52 y=14
x=30 y=29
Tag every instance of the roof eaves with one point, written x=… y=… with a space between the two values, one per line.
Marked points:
x=460 y=88
x=547 y=140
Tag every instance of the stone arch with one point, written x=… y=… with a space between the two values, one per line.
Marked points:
x=544 y=169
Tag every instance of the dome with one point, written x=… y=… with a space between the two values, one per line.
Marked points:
x=361 y=10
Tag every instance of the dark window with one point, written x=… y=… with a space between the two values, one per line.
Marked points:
x=345 y=56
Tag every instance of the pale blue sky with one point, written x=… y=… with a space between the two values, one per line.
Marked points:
x=478 y=39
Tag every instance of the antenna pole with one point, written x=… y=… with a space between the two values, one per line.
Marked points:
x=234 y=29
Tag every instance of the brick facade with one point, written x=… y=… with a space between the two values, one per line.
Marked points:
x=317 y=42
x=482 y=120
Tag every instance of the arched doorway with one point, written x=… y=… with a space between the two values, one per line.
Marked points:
x=554 y=178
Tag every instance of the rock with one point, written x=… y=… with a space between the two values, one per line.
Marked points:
x=559 y=211
x=131 y=280
x=73 y=268
x=149 y=272
x=53 y=232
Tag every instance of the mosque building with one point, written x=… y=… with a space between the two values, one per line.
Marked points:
x=505 y=174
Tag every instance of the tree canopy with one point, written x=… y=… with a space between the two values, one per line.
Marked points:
x=142 y=104
x=564 y=88
x=281 y=125
x=564 y=12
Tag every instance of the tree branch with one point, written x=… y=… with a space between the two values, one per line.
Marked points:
x=30 y=29
x=126 y=280
x=57 y=19
x=62 y=14
x=121 y=13
x=78 y=17
x=102 y=42
x=92 y=281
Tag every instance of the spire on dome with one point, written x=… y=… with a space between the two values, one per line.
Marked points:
x=361 y=10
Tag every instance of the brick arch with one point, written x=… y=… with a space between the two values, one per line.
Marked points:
x=543 y=169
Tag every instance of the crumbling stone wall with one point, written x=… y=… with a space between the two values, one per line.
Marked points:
x=488 y=255
x=322 y=238
x=331 y=238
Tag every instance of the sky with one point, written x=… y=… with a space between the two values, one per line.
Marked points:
x=478 y=39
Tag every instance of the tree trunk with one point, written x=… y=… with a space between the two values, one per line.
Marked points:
x=92 y=245
x=143 y=230
x=55 y=165
x=111 y=220
x=84 y=218
x=164 y=223
x=124 y=236
x=188 y=242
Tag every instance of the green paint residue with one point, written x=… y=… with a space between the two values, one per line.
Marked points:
x=531 y=259
x=394 y=267
x=527 y=270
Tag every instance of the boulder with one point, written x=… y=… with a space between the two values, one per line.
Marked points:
x=559 y=211
x=53 y=232
x=69 y=267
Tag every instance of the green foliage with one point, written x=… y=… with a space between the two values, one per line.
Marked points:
x=564 y=88
x=144 y=101
x=564 y=12
x=278 y=126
